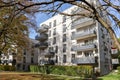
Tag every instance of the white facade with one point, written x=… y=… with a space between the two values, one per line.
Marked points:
x=80 y=42
x=29 y=56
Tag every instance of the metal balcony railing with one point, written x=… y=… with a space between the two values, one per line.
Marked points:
x=79 y=47
x=83 y=35
x=82 y=22
x=84 y=60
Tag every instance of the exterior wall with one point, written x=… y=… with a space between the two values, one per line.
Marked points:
x=28 y=57
x=90 y=42
x=59 y=38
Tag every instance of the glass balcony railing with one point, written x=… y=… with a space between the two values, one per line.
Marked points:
x=83 y=35
x=85 y=47
x=43 y=45
x=84 y=60
x=43 y=28
x=41 y=37
x=82 y=22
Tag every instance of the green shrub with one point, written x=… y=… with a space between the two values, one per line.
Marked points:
x=82 y=71
x=7 y=68
x=118 y=68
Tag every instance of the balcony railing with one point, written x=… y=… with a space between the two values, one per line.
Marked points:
x=42 y=29
x=79 y=47
x=84 y=60
x=83 y=35
x=43 y=45
x=49 y=53
x=41 y=37
x=82 y=22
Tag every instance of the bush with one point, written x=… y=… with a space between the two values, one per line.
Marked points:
x=118 y=68
x=7 y=68
x=82 y=71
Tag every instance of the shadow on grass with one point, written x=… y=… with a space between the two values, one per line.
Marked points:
x=92 y=79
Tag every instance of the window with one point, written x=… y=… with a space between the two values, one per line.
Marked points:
x=73 y=33
x=24 y=60
x=73 y=56
x=23 y=67
x=64 y=58
x=56 y=59
x=24 y=52
x=64 y=47
x=54 y=31
x=103 y=36
x=32 y=53
x=86 y=54
x=54 y=40
x=56 y=49
x=50 y=24
x=50 y=49
x=54 y=24
x=32 y=61
x=64 y=37
x=64 y=28
x=49 y=34
x=64 y=18
x=79 y=53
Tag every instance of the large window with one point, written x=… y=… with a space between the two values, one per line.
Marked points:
x=54 y=24
x=32 y=61
x=54 y=31
x=64 y=58
x=49 y=34
x=64 y=37
x=56 y=49
x=54 y=40
x=50 y=24
x=64 y=18
x=64 y=28
x=64 y=47
x=24 y=59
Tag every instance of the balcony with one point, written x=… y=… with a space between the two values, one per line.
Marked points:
x=43 y=28
x=43 y=45
x=82 y=23
x=114 y=53
x=84 y=35
x=84 y=60
x=85 y=47
x=49 y=53
x=115 y=61
x=41 y=37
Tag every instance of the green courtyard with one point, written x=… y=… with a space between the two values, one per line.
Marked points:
x=37 y=76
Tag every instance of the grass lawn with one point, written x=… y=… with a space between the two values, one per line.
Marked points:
x=112 y=76
x=35 y=76
x=31 y=76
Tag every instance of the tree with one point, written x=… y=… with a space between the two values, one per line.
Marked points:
x=94 y=9
x=13 y=29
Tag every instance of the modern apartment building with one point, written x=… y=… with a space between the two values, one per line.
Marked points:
x=9 y=58
x=78 y=41
x=28 y=56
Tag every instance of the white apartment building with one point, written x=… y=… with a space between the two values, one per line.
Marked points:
x=9 y=57
x=78 y=42
x=28 y=56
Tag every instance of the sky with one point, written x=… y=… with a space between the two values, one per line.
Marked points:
x=41 y=17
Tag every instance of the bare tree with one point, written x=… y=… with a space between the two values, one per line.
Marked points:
x=94 y=8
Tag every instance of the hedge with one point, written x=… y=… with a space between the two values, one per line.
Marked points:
x=82 y=71
x=7 y=68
